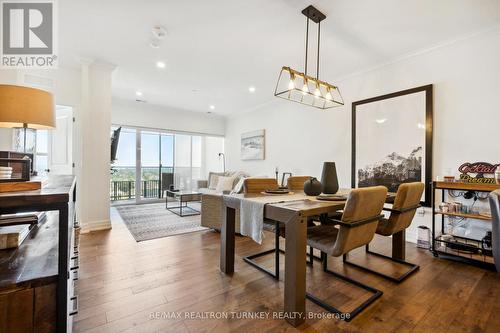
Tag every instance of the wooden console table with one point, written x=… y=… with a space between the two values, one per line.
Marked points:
x=35 y=294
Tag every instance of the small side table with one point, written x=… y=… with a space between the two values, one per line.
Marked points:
x=181 y=200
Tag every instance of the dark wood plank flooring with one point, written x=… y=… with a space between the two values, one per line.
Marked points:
x=124 y=285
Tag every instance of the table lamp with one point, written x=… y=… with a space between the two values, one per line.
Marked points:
x=24 y=107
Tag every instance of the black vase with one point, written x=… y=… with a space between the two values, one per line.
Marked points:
x=312 y=187
x=329 y=178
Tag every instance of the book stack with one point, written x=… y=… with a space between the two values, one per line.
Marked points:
x=12 y=236
x=22 y=218
x=5 y=172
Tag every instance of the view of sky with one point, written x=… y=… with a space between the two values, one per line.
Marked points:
x=150 y=144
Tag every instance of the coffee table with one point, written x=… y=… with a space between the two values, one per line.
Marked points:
x=181 y=200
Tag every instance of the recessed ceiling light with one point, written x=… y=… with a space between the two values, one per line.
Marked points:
x=154 y=44
x=251 y=89
x=381 y=120
x=160 y=64
x=212 y=107
x=138 y=93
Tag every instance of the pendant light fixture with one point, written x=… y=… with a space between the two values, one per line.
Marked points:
x=305 y=89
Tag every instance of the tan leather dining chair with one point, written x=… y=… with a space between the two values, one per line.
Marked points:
x=296 y=183
x=256 y=186
x=402 y=213
x=356 y=228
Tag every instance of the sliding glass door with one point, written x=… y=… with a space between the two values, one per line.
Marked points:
x=150 y=165
x=149 y=162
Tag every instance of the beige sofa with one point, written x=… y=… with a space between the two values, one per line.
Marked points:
x=212 y=210
x=212 y=206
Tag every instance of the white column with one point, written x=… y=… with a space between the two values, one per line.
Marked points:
x=94 y=129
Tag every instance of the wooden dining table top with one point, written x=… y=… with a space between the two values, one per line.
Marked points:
x=298 y=202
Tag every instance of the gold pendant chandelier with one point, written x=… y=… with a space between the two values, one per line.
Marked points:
x=305 y=89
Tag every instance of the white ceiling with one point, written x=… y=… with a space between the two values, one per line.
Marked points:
x=216 y=49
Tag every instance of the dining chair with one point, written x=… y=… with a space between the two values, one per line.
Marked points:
x=296 y=183
x=258 y=185
x=356 y=228
x=402 y=212
x=495 y=226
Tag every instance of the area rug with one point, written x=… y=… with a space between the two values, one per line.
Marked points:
x=152 y=221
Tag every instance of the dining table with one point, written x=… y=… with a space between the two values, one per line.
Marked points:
x=293 y=210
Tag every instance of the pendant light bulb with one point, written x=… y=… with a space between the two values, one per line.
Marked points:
x=328 y=95
x=305 y=89
x=291 y=85
x=317 y=93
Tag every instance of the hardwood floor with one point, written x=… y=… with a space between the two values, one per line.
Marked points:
x=132 y=287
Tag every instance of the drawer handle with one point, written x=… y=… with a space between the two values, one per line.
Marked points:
x=75 y=305
x=76 y=263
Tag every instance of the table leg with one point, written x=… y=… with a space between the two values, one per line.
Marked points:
x=227 y=241
x=295 y=271
x=399 y=245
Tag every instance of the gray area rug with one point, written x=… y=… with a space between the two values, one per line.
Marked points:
x=152 y=221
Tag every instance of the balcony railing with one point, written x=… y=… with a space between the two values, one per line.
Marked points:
x=125 y=189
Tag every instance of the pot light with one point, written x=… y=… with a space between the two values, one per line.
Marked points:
x=381 y=120
x=138 y=93
x=160 y=64
x=251 y=89
x=212 y=107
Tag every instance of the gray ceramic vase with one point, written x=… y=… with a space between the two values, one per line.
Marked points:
x=312 y=187
x=329 y=178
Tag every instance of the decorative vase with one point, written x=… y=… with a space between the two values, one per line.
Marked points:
x=329 y=178
x=497 y=175
x=312 y=187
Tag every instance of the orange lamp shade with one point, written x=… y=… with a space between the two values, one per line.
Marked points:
x=26 y=107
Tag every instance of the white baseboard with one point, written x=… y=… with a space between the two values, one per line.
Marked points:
x=95 y=226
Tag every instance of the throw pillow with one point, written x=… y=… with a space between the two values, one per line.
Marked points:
x=214 y=180
x=225 y=184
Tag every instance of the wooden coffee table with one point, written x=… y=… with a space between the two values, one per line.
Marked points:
x=181 y=200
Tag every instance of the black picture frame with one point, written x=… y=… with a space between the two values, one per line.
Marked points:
x=428 y=89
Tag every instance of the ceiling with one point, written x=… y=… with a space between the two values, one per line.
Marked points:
x=215 y=50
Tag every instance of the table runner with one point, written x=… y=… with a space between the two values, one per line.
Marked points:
x=252 y=213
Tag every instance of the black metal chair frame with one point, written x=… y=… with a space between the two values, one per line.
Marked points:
x=348 y=316
x=276 y=251
x=402 y=277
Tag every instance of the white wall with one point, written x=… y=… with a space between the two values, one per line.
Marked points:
x=153 y=116
x=5 y=139
x=465 y=75
x=66 y=85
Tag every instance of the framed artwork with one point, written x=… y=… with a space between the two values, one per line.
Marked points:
x=392 y=140
x=253 y=145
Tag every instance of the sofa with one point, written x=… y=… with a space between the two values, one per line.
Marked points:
x=212 y=206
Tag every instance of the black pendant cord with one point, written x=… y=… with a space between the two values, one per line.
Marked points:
x=317 y=60
x=307 y=44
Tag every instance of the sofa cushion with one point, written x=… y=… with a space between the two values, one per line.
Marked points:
x=213 y=179
x=225 y=184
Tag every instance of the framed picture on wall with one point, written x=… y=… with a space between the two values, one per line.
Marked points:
x=253 y=145
x=392 y=140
